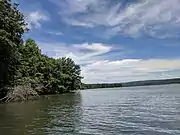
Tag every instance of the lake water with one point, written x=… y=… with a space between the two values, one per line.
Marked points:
x=149 y=110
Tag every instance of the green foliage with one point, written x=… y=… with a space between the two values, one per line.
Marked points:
x=23 y=63
x=56 y=75
x=12 y=26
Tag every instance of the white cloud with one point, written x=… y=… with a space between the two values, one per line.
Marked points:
x=130 y=70
x=81 y=53
x=56 y=33
x=75 y=22
x=97 y=68
x=95 y=47
x=155 y=18
x=74 y=6
x=34 y=19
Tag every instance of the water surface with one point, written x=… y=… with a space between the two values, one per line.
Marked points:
x=149 y=110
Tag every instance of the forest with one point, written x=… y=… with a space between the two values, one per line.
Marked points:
x=25 y=72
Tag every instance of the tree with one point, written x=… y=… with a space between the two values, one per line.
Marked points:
x=56 y=75
x=12 y=27
x=23 y=64
x=72 y=72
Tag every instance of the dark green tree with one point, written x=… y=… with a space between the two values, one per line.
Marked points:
x=56 y=75
x=12 y=27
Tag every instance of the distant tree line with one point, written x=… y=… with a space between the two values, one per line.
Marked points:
x=132 y=84
x=100 y=85
x=23 y=64
x=152 y=82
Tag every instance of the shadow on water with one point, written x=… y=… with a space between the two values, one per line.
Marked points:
x=44 y=116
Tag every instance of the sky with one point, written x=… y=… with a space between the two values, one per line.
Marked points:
x=112 y=40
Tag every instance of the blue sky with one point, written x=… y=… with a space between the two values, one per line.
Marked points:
x=112 y=40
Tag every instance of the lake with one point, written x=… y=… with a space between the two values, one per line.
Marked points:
x=147 y=110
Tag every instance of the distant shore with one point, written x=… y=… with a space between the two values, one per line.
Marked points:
x=132 y=84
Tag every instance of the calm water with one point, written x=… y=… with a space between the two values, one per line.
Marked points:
x=153 y=110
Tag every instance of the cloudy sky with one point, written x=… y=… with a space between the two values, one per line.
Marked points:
x=112 y=40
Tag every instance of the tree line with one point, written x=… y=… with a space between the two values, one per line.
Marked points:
x=23 y=64
x=100 y=85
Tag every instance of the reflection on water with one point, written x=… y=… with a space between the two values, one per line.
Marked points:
x=41 y=116
x=65 y=112
x=151 y=110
